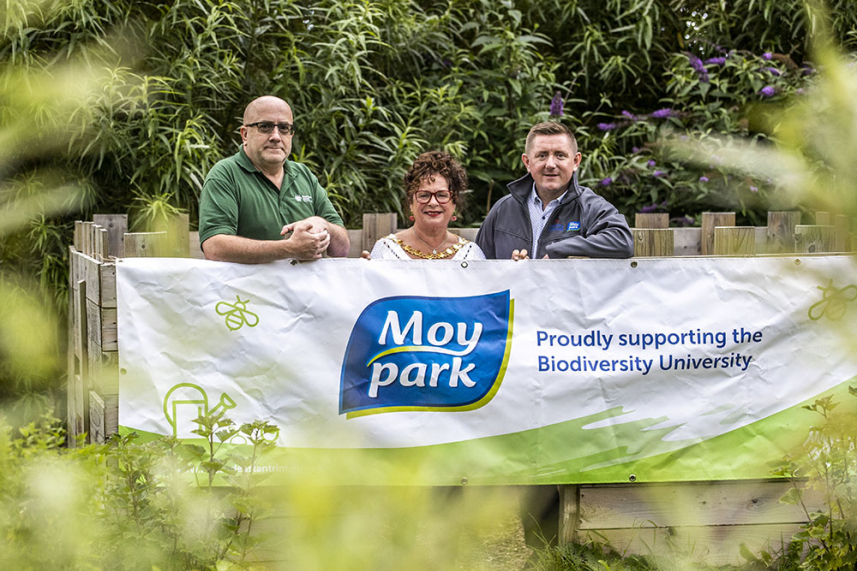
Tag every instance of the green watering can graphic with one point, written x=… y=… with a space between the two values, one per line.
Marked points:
x=187 y=401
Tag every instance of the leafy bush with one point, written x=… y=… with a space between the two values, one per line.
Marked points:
x=124 y=106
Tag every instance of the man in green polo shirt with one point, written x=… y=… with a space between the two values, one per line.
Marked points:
x=257 y=206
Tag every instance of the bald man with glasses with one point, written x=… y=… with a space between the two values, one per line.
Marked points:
x=257 y=206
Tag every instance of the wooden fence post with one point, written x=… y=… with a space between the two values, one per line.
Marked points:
x=650 y=242
x=569 y=513
x=734 y=241
x=376 y=226
x=781 y=231
x=841 y=234
x=116 y=226
x=77 y=389
x=651 y=220
x=145 y=245
x=813 y=239
x=709 y=221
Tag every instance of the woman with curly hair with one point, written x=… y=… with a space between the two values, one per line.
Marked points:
x=434 y=187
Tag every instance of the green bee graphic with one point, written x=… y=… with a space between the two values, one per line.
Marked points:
x=833 y=302
x=237 y=314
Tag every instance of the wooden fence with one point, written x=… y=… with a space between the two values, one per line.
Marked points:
x=707 y=520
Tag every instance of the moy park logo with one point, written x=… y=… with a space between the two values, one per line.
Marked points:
x=426 y=353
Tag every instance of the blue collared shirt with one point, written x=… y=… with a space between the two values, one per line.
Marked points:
x=539 y=216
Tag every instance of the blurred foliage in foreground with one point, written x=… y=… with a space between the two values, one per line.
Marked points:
x=144 y=506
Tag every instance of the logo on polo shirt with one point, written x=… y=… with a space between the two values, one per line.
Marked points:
x=303 y=198
x=413 y=353
x=573 y=227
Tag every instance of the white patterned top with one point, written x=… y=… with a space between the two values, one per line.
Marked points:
x=387 y=249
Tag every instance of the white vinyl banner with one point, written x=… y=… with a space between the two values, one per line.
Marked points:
x=567 y=370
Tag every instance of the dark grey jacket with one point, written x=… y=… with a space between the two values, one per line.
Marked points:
x=583 y=224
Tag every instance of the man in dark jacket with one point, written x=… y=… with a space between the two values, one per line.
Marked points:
x=548 y=213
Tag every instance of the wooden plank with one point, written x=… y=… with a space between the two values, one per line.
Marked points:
x=111 y=414
x=108 y=381
x=97 y=243
x=70 y=355
x=653 y=242
x=76 y=304
x=107 y=283
x=103 y=369
x=116 y=226
x=194 y=251
x=78 y=235
x=93 y=352
x=376 y=226
x=466 y=233
x=781 y=231
x=102 y=326
x=87 y=238
x=145 y=245
x=103 y=245
x=761 y=240
x=822 y=218
x=569 y=514
x=688 y=241
x=715 y=545
x=78 y=389
x=689 y=504
x=178 y=236
x=651 y=220
x=841 y=234
x=355 y=237
x=813 y=239
x=93 y=331
x=734 y=241
x=97 y=430
x=90 y=270
x=711 y=220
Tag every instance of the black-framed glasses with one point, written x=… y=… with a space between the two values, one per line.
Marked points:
x=267 y=127
x=424 y=196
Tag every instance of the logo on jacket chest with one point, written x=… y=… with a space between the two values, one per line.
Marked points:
x=558 y=226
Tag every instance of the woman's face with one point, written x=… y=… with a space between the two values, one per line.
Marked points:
x=432 y=215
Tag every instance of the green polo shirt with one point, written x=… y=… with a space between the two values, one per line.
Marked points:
x=239 y=200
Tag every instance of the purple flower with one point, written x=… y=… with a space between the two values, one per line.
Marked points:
x=556 y=105
x=658 y=173
x=649 y=208
x=663 y=113
x=703 y=179
x=716 y=61
x=807 y=70
x=607 y=181
x=651 y=163
x=768 y=91
x=799 y=91
x=446 y=63
x=767 y=55
x=773 y=71
x=753 y=189
x=696 y=63
x=635 y=150
x=698 y=67
x=628 y=115
x=607 y=126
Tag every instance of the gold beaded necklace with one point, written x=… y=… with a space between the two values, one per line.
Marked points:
x=434 y=255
